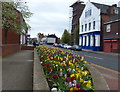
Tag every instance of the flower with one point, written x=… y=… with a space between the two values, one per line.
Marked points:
x=77 y=69
x=60 y=74
x=88 y=85
x=60 y=69
x=68 y=73
x=67 y=79
x=74 y=81
x=70 y=84
x=54 y=89
x=78 y=85
x=82 y=68
x=71 y=89
x=64 y=67
x=76 y=89
x=54 y=76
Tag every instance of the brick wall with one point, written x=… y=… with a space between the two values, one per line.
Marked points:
x=8 y=49
x=13 y=38
x=27 y=47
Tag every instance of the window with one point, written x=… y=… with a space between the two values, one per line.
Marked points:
x=85 y=27
x=116 y=11
x=82 y=28
x=93 y=24
x=88 y=13
x=89 y=26
x=108 y=28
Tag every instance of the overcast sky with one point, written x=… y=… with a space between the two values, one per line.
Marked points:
x=52 y=16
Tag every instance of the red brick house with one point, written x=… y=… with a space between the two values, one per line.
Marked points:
x=13 y=39
x=111 y=34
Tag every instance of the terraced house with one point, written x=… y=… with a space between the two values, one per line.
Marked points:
x=111 y=34
x=91 y=24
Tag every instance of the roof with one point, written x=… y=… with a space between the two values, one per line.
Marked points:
x=113 y=19
x=104 y=8
x=77 y=3
x=52 y=35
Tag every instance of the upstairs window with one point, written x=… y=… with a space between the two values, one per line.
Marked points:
x=82 y=28
x=108 y=28
x=89 y=26
x=85 y=27
x=88 y=13
x=93 y=24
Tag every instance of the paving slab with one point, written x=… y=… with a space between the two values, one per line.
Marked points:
x=112 y=78
x=17 y=71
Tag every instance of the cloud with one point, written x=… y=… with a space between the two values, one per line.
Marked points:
x=52 y=16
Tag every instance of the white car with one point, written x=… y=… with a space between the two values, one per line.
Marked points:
x=66 y=46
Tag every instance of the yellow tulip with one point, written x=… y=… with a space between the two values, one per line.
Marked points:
x=85 y=82
x=72 y=75
x=88 y=85
x=60 y=69
x=81 y=80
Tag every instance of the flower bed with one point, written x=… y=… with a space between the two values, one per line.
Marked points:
x=64 y=70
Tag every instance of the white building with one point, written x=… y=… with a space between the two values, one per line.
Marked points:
x=90 y=22
x=119 y=4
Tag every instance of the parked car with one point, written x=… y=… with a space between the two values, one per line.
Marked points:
x=66 y=46
x=76 y=47
x=55 y=45
x=41 y=42
x=61 y=45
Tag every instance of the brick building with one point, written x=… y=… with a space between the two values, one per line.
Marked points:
x=78 y=7
x=14 y=40
x=111 y=34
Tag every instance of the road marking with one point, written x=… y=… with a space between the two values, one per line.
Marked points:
x=98 y=58
x=93 y=57
x=105 y=68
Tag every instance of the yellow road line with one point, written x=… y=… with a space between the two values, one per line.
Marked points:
x=105 y=68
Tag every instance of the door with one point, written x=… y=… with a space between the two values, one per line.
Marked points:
x=107 y=46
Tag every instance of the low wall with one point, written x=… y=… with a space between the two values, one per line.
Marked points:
x=8 y=49
x=39 y=80
x=23 y=47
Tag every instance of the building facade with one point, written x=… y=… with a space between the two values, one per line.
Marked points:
x=91 y=24
x=77 y=7
x=90 y=27
x=40 y=36
x=111 y=34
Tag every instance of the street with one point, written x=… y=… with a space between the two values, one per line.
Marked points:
x=102 y=60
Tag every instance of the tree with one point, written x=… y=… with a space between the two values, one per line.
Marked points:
x=13 y=14
x=66 y=37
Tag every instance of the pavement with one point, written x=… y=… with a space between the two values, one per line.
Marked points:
x=17 y=71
